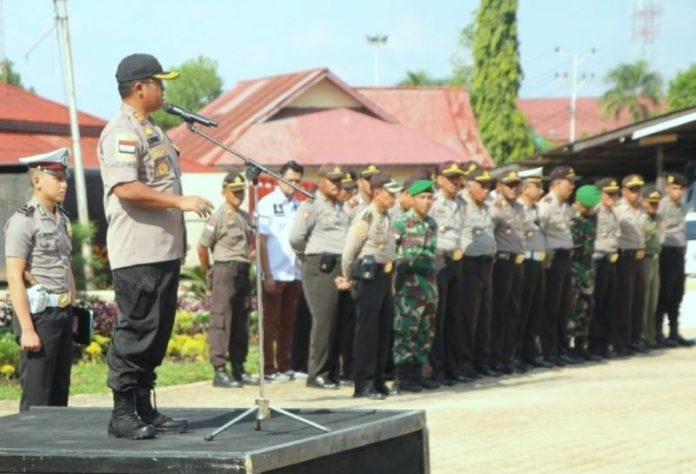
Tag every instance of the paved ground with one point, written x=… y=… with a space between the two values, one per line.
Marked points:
x=634 y=415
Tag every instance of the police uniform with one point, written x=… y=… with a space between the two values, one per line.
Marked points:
x=653 y=246
x=317 y=237
x=508 y=276
x=606 y=254
x=227 y=235
x=672 y=262
x=447 y=213
x=478 y=243
x=368 y=260
x=630 y=273
x=555 y=220
x=41 y=237
x=360 y=201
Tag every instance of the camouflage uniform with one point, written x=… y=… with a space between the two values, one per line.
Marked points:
x=415 y=301
x=584 y=230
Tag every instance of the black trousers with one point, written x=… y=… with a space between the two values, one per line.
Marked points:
x=630 y=301
x=228 y=332
x=533 y=294
x=299 y=353
x=554 y=326
x=605 y=305
x=374 y=317
x=672 y=281
x=146 y=300
x=443 y=354
x=508 y=281
x=45 y=375
x=342 y=351
x=472 y=336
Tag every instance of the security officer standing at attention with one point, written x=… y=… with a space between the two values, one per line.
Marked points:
x=554 y=219
x=447 y=211
x=37 y=243
x=317 y=237
x=473 y=336
x=227 y=235
x=672 y=213
x=653 y=245
x=367 y=265
x=606 y=254
x=146 y=241
x=508 y=271
x=630 y=271
x=357 y=203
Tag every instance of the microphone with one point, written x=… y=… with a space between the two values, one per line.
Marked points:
x=188 y=116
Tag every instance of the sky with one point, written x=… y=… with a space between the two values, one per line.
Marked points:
x=259 y=38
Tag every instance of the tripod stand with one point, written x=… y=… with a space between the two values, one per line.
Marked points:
x=263 y=408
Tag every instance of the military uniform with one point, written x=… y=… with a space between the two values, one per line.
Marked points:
x=227 y=235
x=42 y=239
x=584 y=230
x=653 y=246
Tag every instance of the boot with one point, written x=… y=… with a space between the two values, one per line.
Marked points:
x=222 y=379
x=125 y=422
x=409 y=382
x=149 y=414
x=676 y=338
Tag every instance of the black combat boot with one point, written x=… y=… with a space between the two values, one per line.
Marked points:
x=677 y=339
x=238 y=374
x=125 y=422
x=149 y=414
x=222 y=378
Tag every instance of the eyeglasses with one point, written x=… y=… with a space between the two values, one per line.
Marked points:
x=156 y=82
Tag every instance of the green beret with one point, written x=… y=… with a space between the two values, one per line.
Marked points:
x=421 y=186
x=588 y=195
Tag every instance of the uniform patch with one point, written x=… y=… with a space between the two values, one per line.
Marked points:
x=153 y=140
x=158 y=151
x=162 y=167
x=126 y=146
x=210 y=226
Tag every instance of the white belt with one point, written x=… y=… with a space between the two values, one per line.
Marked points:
x=536 y=255
x=57 y=300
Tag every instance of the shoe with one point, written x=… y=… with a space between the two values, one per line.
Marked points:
x=150 y=415
x=222 y=379
x=276 y=378
x=507 y=369
x=589 y=356
x=289 y=373
x=462 y=378
x=346 y=382
x=486 y=371
x=430 y=383
x=541 y=363
x=297 y=375
x=666 y=343
x=622 y=351
x=125 y=422
x=369 y=392
x=639 y=348
x=520 y=365
x=382 y=388
x=568 y=359
x=408 y=385
x=678 y=340
x=321 y=382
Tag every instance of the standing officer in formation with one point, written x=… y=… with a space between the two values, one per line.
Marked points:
x=360 y=201
x=672 y=215
x=37 y=248
x=146 y=241
x=630 y=272
x=447 y=212
x=227 y=236
x=508 y=271
x=317 y=237
x=653 y=246
x=415 y=301
x=554 y=218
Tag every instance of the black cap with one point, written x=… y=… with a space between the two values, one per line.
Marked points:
x=234 y=181
x=675 y=178
x=480 y=175
x=652 y=194
x=563 y=172
x=450 y=168
x=331 y=171
x=608 y=185
x=633 y=181
x=369 y=171
x=142 y=66
x=385 y=181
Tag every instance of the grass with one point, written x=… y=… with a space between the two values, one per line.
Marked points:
x=90 y=377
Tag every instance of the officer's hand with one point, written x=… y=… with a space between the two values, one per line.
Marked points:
x=269 y=286
x=342 y=283
x=197 y=204
x=209 y=278
x=30 y=341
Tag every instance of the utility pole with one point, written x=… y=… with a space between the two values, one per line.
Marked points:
x=576 y=81
x=376 y=41
x=61 y=10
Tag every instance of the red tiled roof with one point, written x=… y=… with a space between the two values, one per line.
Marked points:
x=440 y=113
x=16 y=145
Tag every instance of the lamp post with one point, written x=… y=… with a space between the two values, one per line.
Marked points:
x=376 y=42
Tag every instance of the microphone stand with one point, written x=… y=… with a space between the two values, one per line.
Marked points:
x=263 y=406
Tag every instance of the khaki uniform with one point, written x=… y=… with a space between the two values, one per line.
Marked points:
x=43 y=241
x=355 y=205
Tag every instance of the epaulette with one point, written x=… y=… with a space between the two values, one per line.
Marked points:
x=547 y=199
x=498 y=204
x=64 y=212
x=367 y=217
x=27 y=210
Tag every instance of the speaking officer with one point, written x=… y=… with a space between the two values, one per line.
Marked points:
x=672 y=213
x=226 y=236
x=472 y=337
x=508 y=271
x=533 y=298
x=146 y=242
x=630 y=272
x=317 y=237
x=367 y=263
x=447 y=212
x=37 y=242
x=554 y=219
x=653 y=245
x=606 y=254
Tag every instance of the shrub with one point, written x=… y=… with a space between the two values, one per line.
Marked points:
x=9 y=354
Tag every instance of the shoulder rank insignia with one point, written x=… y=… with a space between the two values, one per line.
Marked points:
x=27 y=210
x=139 y=117
x=367 y=217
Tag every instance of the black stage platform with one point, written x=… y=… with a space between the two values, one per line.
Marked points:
x=74 y=440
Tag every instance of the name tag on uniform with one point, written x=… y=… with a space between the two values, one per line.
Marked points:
x=278 y=210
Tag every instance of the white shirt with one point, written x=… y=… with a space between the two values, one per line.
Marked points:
x=276 y=215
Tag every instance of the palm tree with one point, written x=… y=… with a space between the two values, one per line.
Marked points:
x=634 y=87
x=421 y=78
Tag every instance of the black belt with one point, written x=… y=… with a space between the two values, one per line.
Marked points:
x=671 y=249
x=233 y=263
x=517 y=258
x=638 y=254
x=480 y=258
x=561 y=252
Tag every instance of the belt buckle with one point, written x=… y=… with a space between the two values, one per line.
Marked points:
x=519 y=258
x=540 y=256
x=457 y=254
x=388 y=267
x=640 y=254
x=63 y=300
x=613 y=257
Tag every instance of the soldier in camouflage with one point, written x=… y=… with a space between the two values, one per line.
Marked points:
x=415 y=301
x=584 y=229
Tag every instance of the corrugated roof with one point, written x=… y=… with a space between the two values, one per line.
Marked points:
x=440 y=113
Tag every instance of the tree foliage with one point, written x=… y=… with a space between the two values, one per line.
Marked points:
x=8 y=75
x=198 y=84
x=682 y=89
x=634 y=88
x=421 y=78
x=463 y=69
x=496 y=82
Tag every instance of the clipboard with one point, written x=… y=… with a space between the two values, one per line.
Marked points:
x=83 y=325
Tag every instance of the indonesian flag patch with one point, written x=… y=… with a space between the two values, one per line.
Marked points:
x=126 y=146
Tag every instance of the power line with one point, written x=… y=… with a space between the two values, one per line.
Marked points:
x=576 y=81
